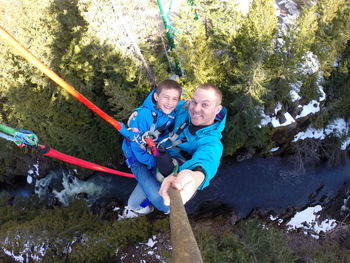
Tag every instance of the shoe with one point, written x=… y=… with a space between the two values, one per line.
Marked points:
x=127 y=213
x=144 y=210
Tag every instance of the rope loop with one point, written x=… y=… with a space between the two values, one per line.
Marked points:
x=27 y=138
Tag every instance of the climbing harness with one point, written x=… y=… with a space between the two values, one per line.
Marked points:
x=153 y=132
x=174 y=137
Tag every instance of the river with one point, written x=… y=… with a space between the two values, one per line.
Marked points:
x=259 y=183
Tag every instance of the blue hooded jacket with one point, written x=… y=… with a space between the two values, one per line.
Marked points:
x=205 y=146
x=143 y=122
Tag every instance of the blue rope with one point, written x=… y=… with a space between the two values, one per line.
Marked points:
x=7 y=137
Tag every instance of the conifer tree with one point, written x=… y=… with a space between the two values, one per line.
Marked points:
x=333 y=32
x=57 y=33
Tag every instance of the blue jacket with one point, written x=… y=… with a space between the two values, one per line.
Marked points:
x=205 y=146
x=143 y=122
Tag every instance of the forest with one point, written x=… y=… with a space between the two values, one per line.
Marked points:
x=253 y=58
x=115 y=52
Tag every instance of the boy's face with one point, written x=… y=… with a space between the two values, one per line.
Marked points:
x=167 y=100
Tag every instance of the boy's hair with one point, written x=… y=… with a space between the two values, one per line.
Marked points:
x=169 y=84
x=208 y=86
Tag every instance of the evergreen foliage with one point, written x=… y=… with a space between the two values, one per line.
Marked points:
x=103 y=50
x=249 y=242
x=59 y=36
x=231 y=51
x=338 y=102
x=67 y=233
x=106 y=48
x=332 y=33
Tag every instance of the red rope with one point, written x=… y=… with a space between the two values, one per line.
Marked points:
x=76 y=161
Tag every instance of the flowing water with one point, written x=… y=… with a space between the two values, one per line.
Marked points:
x=271 y=184
x=267 y=184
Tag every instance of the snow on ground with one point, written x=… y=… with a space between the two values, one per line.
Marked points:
x=290 y=16
x=311 y=64
x=27 y=255
x=308 y=220
x=310 y=108
x=288 y=13
x=345 y=144
x=274 y=149
x=147 y=250
x=243 y=6
x=339 y=128
x=295 y=89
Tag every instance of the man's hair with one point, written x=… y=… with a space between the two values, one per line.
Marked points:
x=208 y=86
x=169 y=84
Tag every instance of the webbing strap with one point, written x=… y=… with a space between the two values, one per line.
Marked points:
x=27 y=138
x=76 y=161
x=8 y=130
x=7 y=137
x=173 y=137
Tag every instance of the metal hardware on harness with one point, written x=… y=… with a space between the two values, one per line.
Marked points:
x=137 y=139
x=152 y=134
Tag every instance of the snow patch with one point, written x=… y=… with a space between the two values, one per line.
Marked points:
x=308 y=220
x=338 y=127
x=309 y=133
x=311 y=65
x=151 y=241
x=345 y=144
x=274 y=149
x=243 y=6
x=311 y=108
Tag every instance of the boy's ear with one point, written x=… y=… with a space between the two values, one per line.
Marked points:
x=155 y=96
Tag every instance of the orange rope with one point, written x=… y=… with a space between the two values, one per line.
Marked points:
x=25 y=53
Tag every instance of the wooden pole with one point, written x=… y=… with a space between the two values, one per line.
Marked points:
x=185 y=248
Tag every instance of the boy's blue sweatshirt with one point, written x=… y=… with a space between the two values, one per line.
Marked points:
x=143 y=122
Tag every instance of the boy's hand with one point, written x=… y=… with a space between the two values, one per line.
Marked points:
x=133 y=115
x=135 y=130
x=186 y=182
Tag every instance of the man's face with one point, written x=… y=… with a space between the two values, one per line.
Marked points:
x=203 y=107
x=167 y=100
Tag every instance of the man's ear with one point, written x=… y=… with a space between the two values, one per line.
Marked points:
x=218 y=109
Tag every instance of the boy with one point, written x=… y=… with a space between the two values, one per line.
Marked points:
x=155 y=117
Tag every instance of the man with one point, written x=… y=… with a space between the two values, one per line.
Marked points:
x=196 y=135
x=200 y=138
